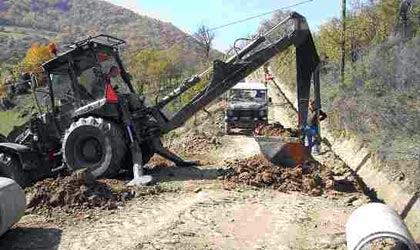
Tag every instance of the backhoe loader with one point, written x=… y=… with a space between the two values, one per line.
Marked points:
x=93 y=119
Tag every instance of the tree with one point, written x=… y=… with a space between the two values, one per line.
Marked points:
x=152 y=68
x=204 y=37
x=35 y=56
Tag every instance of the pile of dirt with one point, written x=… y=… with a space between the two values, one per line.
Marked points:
x=385 y=244
x=310 y=178
x=78 y=191
x=275 y=129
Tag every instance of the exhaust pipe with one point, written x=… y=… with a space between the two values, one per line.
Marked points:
x=12 y=204
x=377 y=221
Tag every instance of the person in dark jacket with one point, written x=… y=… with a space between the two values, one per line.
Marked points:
x=313 y=124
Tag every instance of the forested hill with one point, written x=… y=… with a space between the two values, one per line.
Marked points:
x=24 y=22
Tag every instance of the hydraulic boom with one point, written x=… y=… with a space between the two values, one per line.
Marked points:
x=253 y=56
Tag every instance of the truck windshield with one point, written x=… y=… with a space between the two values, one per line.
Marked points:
x=247 y=95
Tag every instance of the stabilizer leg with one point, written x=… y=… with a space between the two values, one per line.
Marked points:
x=139 y=178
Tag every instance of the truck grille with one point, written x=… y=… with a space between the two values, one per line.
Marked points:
x=245 y=113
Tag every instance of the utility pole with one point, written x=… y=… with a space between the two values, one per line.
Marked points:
x=343 y=38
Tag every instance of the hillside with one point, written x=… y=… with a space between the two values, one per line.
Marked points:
x=25 y=22
x=377 y=101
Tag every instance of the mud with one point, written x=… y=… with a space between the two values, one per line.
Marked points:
x=311 y=178
x=275 y=129
x=79 y=191
x=385 y=244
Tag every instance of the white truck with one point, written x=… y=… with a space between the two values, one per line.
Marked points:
x=247 y=106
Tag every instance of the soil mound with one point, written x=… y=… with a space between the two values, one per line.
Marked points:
x=78 y=191
x=275 y=129
x=257 y=171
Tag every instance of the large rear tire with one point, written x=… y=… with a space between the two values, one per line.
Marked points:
x=94 y=144
x=11 y=168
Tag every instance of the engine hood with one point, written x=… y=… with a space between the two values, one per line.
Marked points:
x=246 y=105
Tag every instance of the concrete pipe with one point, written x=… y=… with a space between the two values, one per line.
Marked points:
x=12 y=204
x=375 y=221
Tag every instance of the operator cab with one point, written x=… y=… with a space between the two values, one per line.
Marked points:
x=79 y=78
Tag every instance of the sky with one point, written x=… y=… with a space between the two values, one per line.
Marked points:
x=188 y=15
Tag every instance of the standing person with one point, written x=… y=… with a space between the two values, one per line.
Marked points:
x=405 y=7
x=313 y=138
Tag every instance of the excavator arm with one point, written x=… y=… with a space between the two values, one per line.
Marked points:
x=227 y=74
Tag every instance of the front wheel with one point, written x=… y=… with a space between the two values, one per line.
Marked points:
x=94 y=144
x=228 y=129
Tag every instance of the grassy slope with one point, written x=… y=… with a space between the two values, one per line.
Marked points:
x=8 y=120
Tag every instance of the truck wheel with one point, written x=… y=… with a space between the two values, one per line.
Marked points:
x=11 y=168
x=228 y=129
x=95 y=144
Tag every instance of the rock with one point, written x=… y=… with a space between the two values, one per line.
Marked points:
x=359 y=202
x=58 y=198
x=400 y=177
x=83 y=189
x=316 y=192
x=95 y=200
x=351 y=199
x=267 y=178
x=329 y=184
x=197 y=190
x=245 y=176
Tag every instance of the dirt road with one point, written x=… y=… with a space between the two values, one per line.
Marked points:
x=194 y=211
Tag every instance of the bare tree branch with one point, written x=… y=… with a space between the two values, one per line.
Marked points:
x=204 y=38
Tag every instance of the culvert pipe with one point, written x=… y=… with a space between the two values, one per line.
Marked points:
x=376 y=221
x=12 y=204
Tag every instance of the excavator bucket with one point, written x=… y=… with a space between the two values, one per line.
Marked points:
x=282 y=151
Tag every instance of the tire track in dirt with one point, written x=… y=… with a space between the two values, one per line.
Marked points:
x=128 y=226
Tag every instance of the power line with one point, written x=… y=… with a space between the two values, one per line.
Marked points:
x=186 y=36
x=259 y=15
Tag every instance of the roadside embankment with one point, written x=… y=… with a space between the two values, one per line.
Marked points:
x=392 y=188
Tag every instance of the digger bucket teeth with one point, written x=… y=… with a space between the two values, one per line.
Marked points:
x=285 y=152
